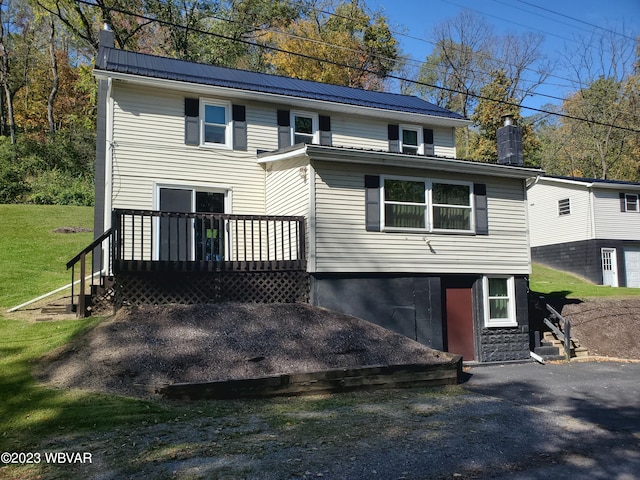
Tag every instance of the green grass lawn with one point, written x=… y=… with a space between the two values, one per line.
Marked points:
x=556 y=283
x=33 y=258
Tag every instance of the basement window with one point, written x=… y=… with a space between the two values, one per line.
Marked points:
x=564 y=207
x=499 y=302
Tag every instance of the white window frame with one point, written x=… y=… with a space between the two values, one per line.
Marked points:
x=564 y=207
x=383 y=204
x=511 y=320
x=418 y=130
x=428 y=206
x=228 y=134
x=470 y=207
x=626 y=202
x=315 y=125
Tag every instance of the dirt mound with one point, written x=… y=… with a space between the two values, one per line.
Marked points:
x=606 y=326
x=142 y=348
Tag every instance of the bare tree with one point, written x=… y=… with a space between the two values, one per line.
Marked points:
x=5 y=69
x=56 y=77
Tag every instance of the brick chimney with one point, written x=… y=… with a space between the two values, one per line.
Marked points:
x=510 y=143
x=106 y=37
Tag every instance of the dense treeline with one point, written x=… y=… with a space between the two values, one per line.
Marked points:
x=47 y=99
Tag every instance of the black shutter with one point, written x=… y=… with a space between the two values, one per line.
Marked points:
x=623 y=202
x=482 y=214
x=372 y=202
x=284 y=131
x=325 y=130
x=191 y=124
x=239 y=113
x=394 y=138
x=427 y=135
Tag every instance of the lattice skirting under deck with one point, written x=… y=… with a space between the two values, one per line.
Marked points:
x=144 y=288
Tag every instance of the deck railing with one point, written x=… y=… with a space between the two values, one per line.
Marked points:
x=147 y=240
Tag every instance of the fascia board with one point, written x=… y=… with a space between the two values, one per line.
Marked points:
x=592 y=185
x=303 y=103
x=430 y=163
x=335 y=154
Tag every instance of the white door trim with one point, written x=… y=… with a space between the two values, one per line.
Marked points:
x=609 y=264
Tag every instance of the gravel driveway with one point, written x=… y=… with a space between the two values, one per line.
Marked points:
x=452 y=432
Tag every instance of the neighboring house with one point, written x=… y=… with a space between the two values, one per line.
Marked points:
x=588 y=227
x=220 y=184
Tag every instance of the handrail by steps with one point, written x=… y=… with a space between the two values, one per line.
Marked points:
x=81 y=257
x=89 y=248
x=564 y=336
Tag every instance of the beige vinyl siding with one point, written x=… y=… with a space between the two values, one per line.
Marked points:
x=288 y=188
x=611 y=223
x=149 y=149
x=547 y=227
x=288 y=185
x=343 y=244
x=359 y=132
x=444 y=142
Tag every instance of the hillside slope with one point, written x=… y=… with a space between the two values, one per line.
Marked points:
x=606 y=326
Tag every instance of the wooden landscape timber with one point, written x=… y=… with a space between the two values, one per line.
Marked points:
x=326 y=381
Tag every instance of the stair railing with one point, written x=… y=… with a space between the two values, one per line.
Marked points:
x=104 y=269
x=565 y=334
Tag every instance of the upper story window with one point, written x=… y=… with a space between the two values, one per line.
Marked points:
x=215 y=124
x=428 y=205
x=304 y=127
x=499 y=302
x=631 y=202
x=411 y=139
x=564 y=207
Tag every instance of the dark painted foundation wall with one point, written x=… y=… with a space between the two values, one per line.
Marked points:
x=412 y=305
x=583 y=258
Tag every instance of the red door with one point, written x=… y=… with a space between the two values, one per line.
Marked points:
x=459 y=317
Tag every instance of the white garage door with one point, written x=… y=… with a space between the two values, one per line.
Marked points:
x=632 y=265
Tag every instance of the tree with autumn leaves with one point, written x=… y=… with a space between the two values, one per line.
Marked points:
x=47 y=94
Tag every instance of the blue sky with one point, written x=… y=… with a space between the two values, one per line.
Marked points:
x=560 y=21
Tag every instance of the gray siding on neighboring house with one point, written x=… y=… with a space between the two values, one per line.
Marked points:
x=344 y=245
x=610 y=221
x=584 y=258
x=547 y=226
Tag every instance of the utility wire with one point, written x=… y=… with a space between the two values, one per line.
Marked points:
x=576 y=20
x=364 y=70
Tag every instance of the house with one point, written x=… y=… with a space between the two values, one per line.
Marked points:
x=588 y=227
x=219 y=184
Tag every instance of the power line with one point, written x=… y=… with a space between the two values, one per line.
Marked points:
x=576 y=20
x=364 y=70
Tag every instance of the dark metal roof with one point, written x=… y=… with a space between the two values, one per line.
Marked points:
x=594 y=180
x=133 y=63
